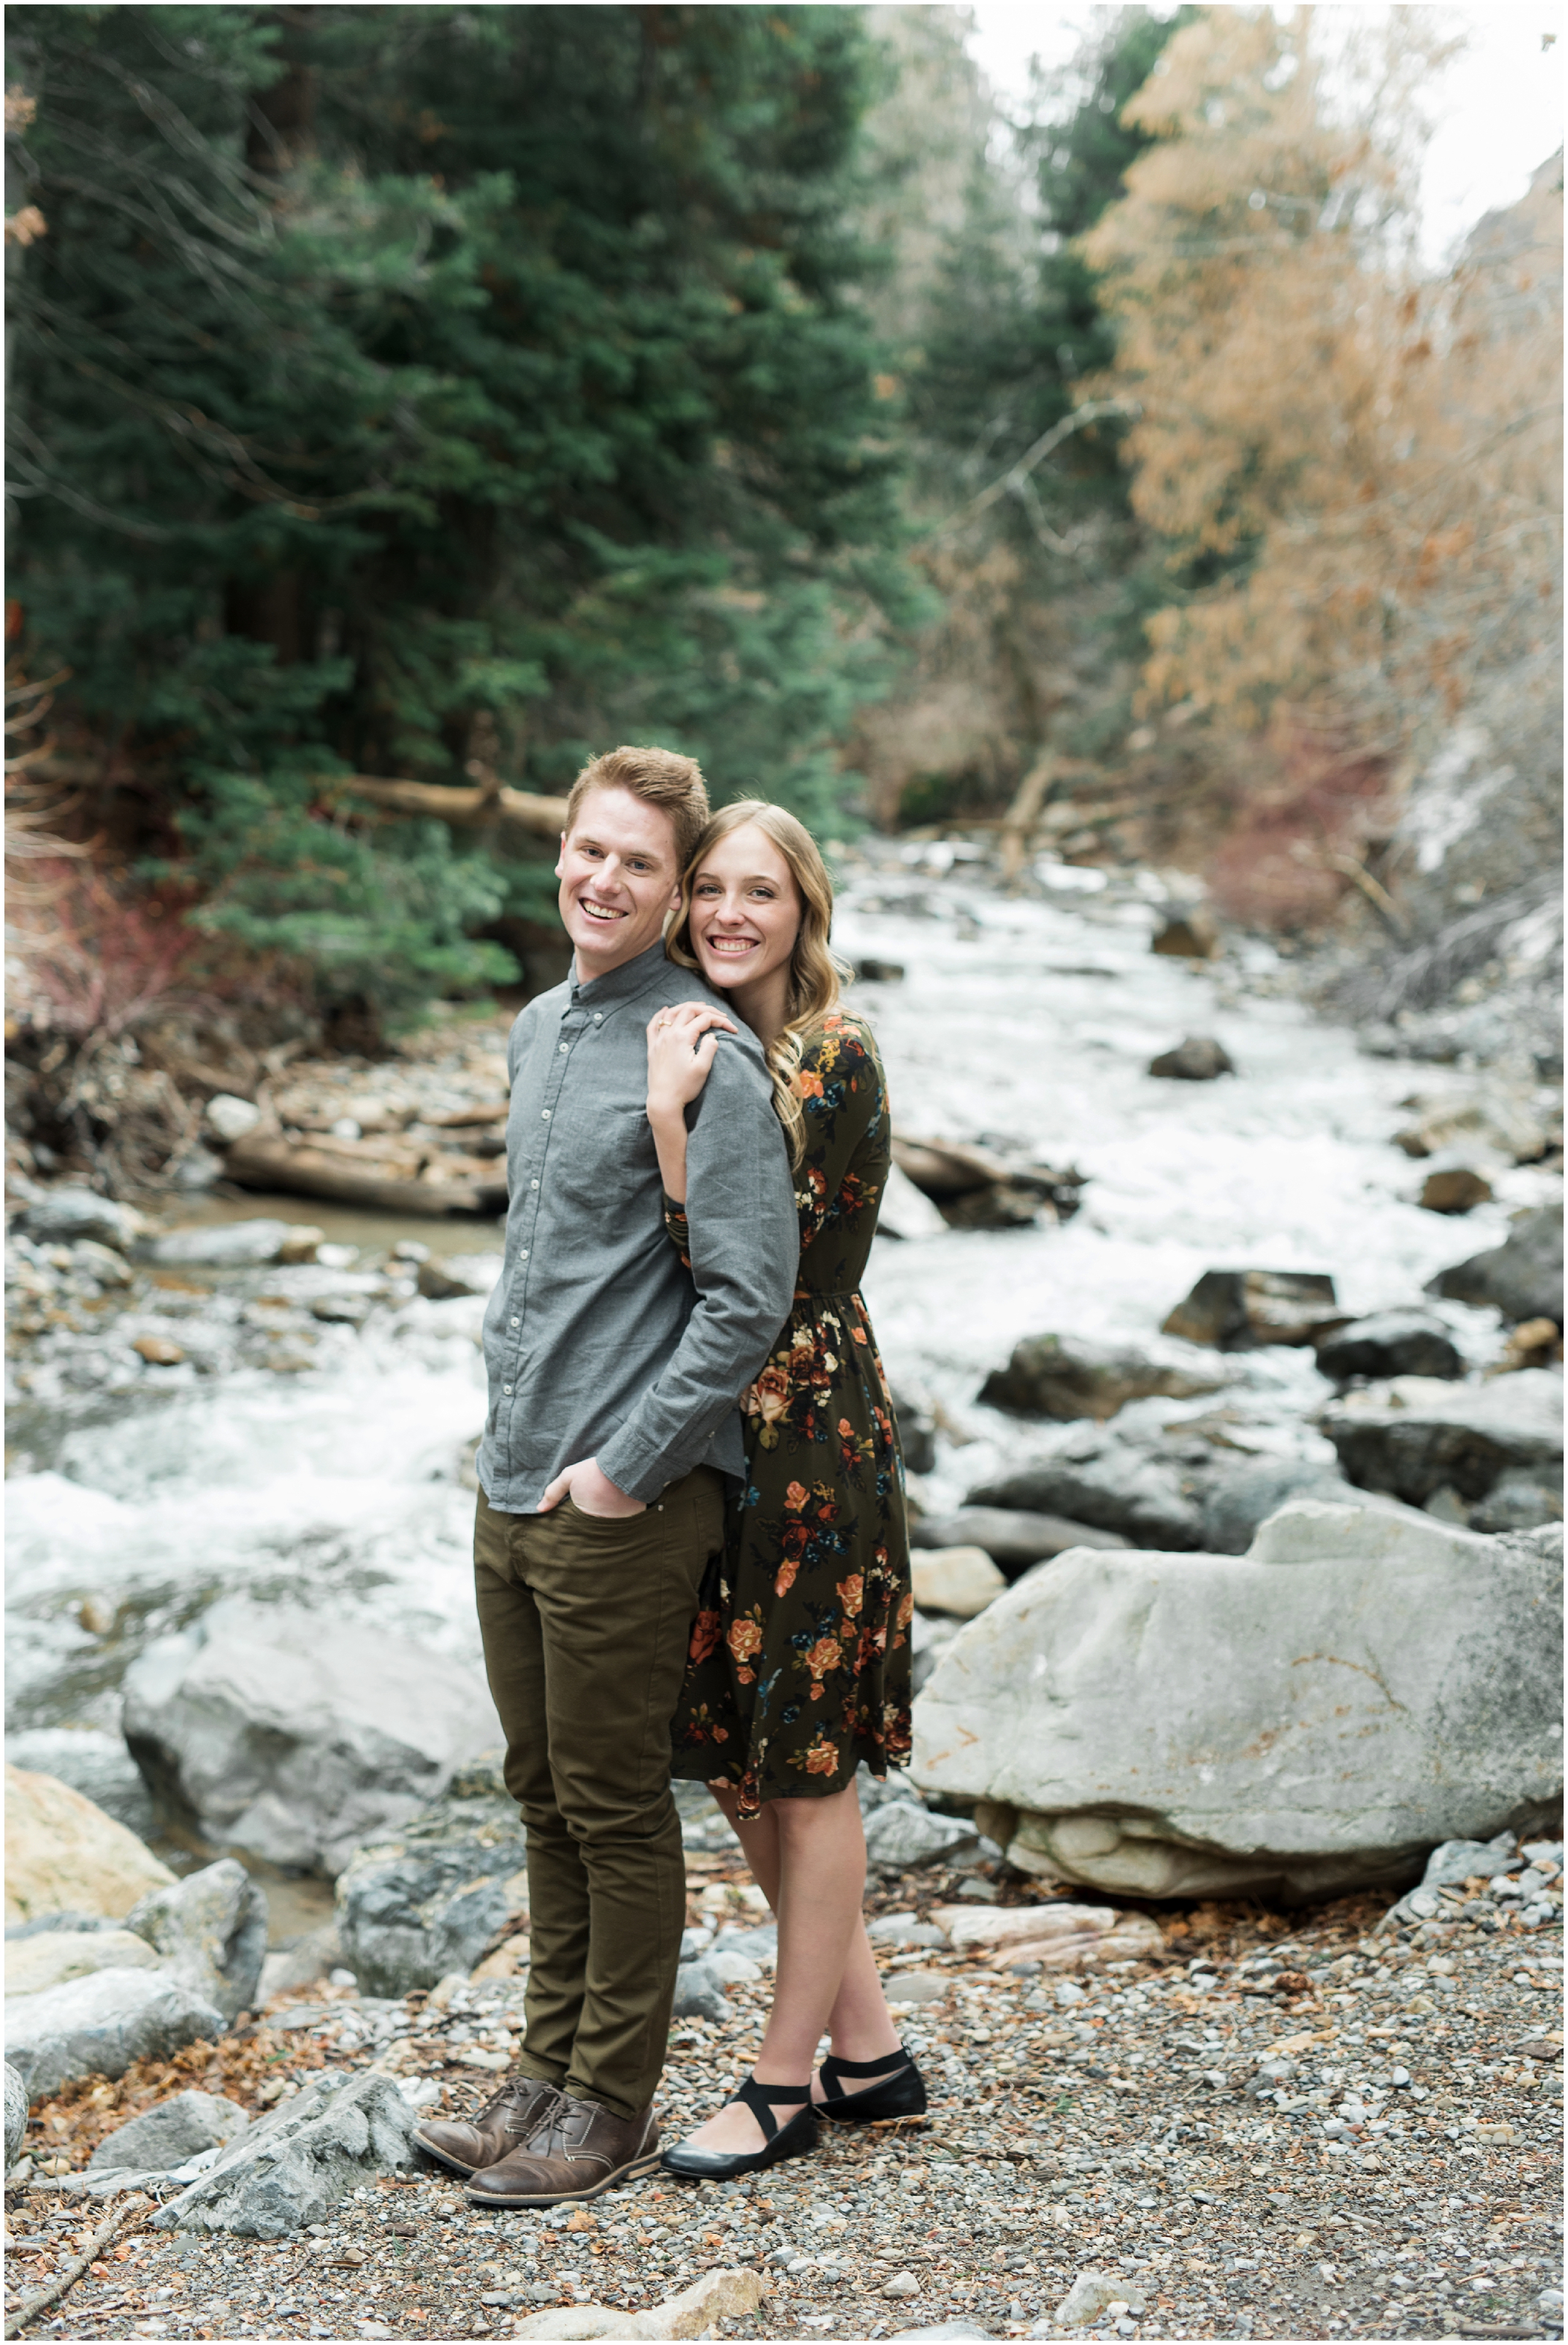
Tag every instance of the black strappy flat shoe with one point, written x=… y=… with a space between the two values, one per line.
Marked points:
x=797 y=2139
x=901 y=2093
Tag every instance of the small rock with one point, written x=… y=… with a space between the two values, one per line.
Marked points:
x=961 y=1580
x=916 y=1988
x=102 y=1262
x=439 y=1282
x=292 y=2166
x=1519 y=1500
x=51 y=1957
x=64 y=1216
x=97 y=1765
x=903 y=2283
x=229 y=1118
x=1391 y=1344
x=1116 y=1489
x=700 y=1992
x=732 y=1968
x=1454 y=1190
x=97 y=2026
x=1523 y=1276
x=159 y=1351
x=63 y=1854
x=903 y=1834
x=871 y=972
x=310 y=1958
x=303 y=1243
x=165 y=2136
x=903 y=1930
x=1198 y=1059
x=1188 y=936
x=1065 y=1376
x=1240 y=1310
x=1533 y=1344
x=221 y=1246
x=1238 y=1501
x=1014 y=1538
x=196 y=1169
x=15 y=2115
x=212 y=1930
x=1093 y=2293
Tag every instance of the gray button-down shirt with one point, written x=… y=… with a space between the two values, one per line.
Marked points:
x=598 y=1341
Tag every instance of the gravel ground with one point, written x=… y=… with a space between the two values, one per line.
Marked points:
x=1395 y=2170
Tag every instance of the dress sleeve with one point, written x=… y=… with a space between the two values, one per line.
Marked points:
x=678 y=1229
x=848 y=1138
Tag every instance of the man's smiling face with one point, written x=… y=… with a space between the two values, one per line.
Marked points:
x=619 y=880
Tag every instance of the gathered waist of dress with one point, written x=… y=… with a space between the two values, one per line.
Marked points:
x=828 y=1295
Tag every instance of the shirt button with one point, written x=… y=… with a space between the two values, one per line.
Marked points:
x=517 y=1323
x=533 y=1184
x=598 y=1017
x=522 y=1254
x=544 y=1116
x=506 y=1388
x=564 y=1048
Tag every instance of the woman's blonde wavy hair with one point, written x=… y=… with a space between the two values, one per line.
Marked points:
x=813 y=974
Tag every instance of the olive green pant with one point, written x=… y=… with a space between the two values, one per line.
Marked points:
x=586 y=1621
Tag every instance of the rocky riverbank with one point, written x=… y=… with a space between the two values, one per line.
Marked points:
x=1227 y=1355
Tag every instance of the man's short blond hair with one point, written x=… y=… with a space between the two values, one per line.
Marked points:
x=660 y=778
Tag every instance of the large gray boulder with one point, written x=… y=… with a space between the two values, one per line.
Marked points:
x=212 y=1930
x=97 y=2026
x=164 y=2137
x=293 y=2166
x=1114 y=1488
x=452 y=1884
x=1067 y=1377
x=16 y=2115
x=1310 y=1717
x=1417 y=1435
x=296 y=1735
x=1522 y=1276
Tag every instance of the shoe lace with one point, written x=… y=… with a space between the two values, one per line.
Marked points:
x=544 y=2119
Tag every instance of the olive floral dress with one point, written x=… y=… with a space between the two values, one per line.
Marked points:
x=800 y=1660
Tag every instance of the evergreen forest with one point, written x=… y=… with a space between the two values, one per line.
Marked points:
x=406 y=403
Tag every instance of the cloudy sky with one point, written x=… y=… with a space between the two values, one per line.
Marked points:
x=1499 y=110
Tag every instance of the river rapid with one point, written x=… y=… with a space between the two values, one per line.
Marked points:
x=345 y=1483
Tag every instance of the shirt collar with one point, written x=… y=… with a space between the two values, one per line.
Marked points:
x=623 y=984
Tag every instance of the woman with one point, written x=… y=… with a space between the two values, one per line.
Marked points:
x=799 y=1665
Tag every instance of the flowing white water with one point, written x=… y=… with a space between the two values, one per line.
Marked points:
x=1025 y=1021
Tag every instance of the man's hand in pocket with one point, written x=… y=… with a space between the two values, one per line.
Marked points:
x=591 y=1492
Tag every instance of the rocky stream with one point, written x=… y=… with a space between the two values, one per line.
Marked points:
x=1226 y=1913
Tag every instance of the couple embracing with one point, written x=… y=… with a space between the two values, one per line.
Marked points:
x=669 y=1583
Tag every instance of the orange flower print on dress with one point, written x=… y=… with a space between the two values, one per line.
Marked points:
x=745 y=1637
x=784 y=1578
x=906 y=1612
x=705 y=1635
x=852 y=1594
x=820 y=1757
x=807 y=1086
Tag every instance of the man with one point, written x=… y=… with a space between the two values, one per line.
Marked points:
x=613 y=1377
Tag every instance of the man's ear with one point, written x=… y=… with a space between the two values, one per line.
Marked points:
x=560 y=858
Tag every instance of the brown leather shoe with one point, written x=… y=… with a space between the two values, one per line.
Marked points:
x=576 y=2150
x=506 y=2119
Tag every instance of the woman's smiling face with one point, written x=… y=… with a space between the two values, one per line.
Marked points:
x=745 y=910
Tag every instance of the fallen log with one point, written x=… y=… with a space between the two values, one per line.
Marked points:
x=542 y=817
x=267 y=1160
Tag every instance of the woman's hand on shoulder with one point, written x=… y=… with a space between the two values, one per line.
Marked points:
x=681 y=1041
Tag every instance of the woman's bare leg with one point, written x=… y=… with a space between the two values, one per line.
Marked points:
x=808 y=1858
